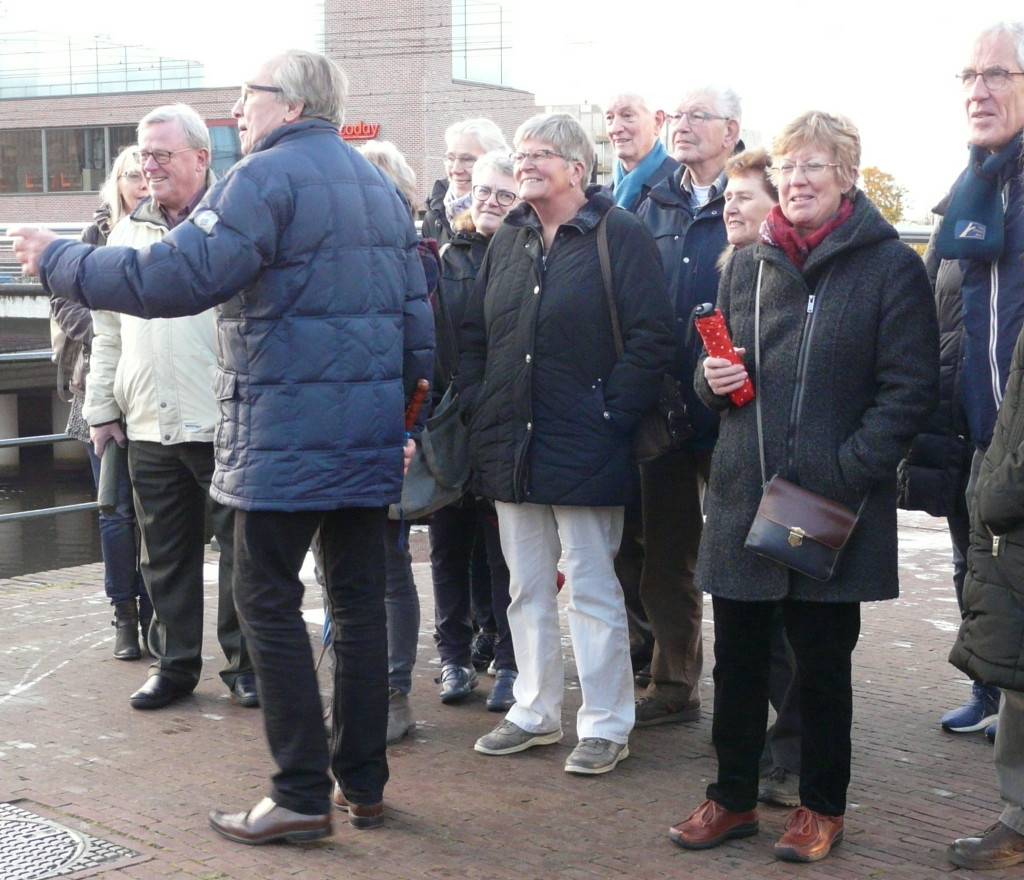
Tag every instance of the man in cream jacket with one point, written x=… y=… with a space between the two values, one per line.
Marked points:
x=157 y=376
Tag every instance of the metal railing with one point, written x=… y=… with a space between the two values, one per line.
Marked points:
x=41 y=440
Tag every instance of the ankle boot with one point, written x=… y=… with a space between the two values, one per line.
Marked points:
x=126 y=619
x=144 y=623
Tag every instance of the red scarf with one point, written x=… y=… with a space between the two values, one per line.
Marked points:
x=779 y=232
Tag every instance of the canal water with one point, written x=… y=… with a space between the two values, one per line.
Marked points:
x=45 y=543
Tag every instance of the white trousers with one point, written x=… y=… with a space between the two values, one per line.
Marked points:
x=532 y=539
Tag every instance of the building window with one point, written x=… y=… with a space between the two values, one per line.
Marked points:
x=76 y=159
x=79 y=159
x=226 y=147
x=21 y=161
x=122 y=136
x=477 y=42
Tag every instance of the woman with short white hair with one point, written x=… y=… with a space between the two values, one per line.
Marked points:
x=553 y=391
x=465 y=142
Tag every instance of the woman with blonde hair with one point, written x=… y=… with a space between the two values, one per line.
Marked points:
x=123 y=189
x=839 y=318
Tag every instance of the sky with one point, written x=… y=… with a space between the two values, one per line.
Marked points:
x=889 y=65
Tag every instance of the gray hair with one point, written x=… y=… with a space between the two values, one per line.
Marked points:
x=110 y=192
x=496 y=160
x=197 y=135
x=389 y=159
x=484 y=131
x=565 y=134
x=315 y=81
x=1014 y=30
x=725 y=101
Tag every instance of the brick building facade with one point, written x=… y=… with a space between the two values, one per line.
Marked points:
x=399 y=61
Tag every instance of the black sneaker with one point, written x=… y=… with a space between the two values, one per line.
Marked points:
x=482 y=650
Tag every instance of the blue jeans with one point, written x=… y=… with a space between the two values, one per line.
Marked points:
x=122 y=579
x=402 y=605
x=401 y=602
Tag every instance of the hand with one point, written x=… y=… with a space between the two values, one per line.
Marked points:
x=29 y=244
x=723 y=375
x=102 y=433
x=407 y=453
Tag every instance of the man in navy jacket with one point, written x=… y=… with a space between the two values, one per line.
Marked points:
x=324 y=327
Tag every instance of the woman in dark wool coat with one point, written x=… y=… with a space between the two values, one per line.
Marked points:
x=848 y=375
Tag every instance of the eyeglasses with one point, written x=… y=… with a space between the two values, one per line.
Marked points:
x=131 y=176
x=696 y=117
x=161 y=157
x=249 y=88
x=811 y=170
x=464 y=159
x=996 y=79
x=503 y=197
x=518 y=158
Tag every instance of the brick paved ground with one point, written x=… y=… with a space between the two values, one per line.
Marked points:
x=71 y=748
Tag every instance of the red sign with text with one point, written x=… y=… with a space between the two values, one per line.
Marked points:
x=360 y=131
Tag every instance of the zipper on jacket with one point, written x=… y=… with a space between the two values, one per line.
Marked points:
x=993 y=319
x=798 y=391
x=993 y=334
x=519 y=470
x=997 y=541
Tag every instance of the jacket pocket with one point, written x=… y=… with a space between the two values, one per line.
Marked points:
x=225 y=391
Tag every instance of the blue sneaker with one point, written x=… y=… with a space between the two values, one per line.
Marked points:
x=990 y=732
x=501 y=698
x=977 y=713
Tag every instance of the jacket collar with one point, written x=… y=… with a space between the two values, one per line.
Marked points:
x=296 y=129
x=147 y=211
x=866 y=226
x=598 y=203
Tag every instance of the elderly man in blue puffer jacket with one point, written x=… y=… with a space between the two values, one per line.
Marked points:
x=310 y=257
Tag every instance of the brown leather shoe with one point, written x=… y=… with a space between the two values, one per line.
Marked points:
x=809 y=836
x=711 y=824
x=267 y=822
x=996 y=847
x=359 y=815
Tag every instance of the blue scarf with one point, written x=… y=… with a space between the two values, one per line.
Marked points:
x=629 y=185
x=972 y=228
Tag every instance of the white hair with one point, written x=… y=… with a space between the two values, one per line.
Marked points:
x=484 y=131
x=725 y=101
x=197 y=135
x=315 y=80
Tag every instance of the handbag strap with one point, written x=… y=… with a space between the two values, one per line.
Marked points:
x=604 y=258
x=450 y=351
x=757 y=371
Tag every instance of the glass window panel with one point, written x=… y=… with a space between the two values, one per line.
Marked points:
x=21 y=161
x=122 y=136
x=75 y=159
x=226 y=148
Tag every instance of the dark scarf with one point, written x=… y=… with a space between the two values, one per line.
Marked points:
x=777 y=231
x=973 y=226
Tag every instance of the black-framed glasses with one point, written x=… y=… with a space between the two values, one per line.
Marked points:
x=503 y=197
x=249 y=88
x=696 y=117
x=996 y=79
x=811 y=170
x=161 y=157
x=517 y=158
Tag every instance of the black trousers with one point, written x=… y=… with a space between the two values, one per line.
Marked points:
x=782 y=744
x=269 y=551
x=823 y=636
x=173 y=507
x=453 y=531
